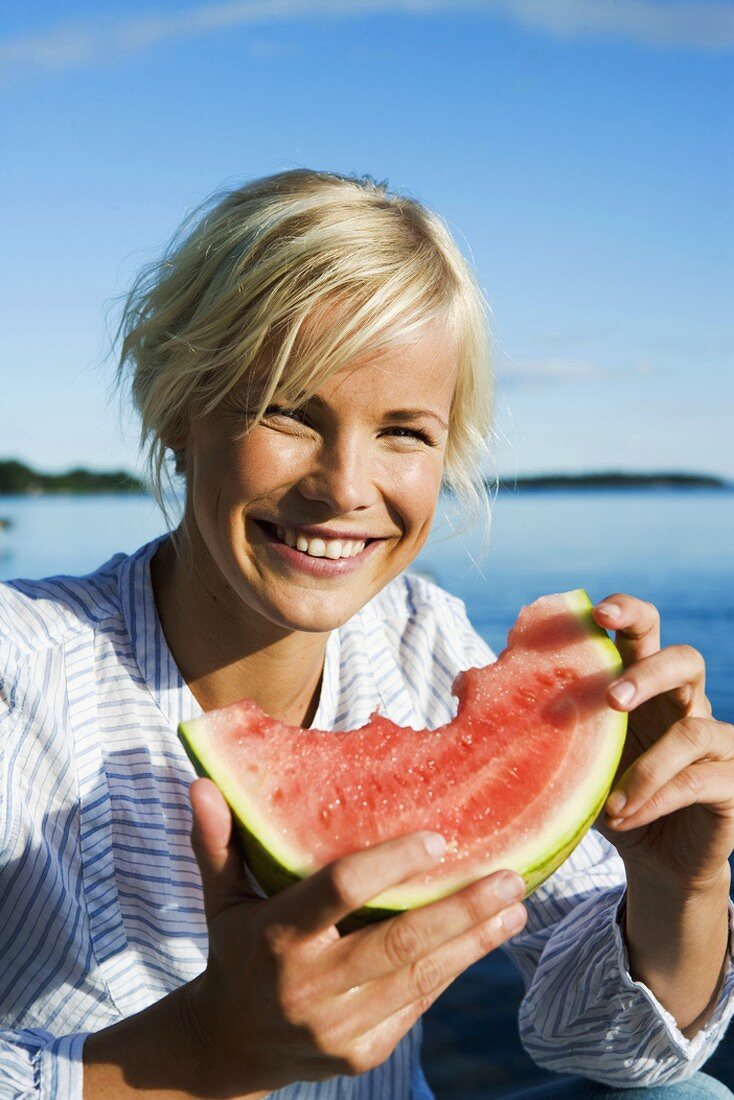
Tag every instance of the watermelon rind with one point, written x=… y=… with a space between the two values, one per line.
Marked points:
x=275 y=866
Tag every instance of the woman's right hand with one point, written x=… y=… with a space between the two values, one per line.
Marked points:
x=285 y=998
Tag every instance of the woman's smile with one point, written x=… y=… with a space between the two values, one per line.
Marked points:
x=318 y=556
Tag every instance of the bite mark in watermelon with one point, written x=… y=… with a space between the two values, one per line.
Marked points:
x=514 y=781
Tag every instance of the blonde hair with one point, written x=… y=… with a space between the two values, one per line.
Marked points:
x=234 y=296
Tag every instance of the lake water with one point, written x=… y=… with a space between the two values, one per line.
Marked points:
x=673 y=548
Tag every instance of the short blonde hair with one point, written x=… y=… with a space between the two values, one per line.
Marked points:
x=231 y=300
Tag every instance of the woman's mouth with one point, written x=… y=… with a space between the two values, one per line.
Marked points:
x=317 y=547
x=314 y=554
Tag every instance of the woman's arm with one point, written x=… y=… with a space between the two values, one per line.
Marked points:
x=671 y=814
x=587 y=1010
x=156 y=1049
x=679 y=947
x=284 y=997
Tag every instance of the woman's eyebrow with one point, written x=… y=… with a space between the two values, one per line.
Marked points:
x=394 y=414
x=414 y=414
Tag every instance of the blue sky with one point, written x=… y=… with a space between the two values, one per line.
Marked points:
x=581 y=150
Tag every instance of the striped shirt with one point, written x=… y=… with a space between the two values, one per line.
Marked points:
x=101 y=908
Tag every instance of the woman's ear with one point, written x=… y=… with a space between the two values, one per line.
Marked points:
x=174 y=438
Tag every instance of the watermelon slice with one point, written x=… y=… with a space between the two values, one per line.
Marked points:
x=514 y=781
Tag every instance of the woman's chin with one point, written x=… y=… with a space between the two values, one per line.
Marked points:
x=313 y=617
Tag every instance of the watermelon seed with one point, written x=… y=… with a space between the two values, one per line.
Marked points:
x=565 y=674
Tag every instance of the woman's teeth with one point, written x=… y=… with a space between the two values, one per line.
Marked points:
x=320 y=548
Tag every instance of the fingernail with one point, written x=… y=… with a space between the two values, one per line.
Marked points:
x=622 y=692
x=609 y=609
x=434 y=844
x=510 y=888
x=514 y=918
x=616 y=802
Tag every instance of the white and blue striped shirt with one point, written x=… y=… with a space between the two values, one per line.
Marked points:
x=100 y=897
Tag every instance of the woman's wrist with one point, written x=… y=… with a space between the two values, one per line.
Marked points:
x=678 y=944
x=157 y=1051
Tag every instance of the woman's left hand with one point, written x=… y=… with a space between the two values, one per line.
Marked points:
x=677 y=767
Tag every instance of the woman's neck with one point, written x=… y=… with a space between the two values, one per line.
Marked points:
x=231 y=657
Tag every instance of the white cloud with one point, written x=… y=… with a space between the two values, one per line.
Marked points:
x=692 y=24
x=689 y=23
x=532 y=371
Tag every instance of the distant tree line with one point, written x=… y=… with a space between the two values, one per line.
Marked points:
x=18 y=479
x=613 y=480
x=606 y=479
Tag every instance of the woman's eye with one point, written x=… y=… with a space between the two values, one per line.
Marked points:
x=414 y=433
x=299 y=415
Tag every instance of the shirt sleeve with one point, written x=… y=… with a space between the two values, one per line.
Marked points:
x=35 y=1065
x=582 y=1012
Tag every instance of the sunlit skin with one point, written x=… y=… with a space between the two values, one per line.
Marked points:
x=345 y=461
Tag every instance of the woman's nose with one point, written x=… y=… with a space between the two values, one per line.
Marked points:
x=340 y=477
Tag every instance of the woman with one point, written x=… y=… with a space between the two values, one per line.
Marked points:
x=313 y=353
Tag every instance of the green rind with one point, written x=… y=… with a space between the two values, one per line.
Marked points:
x=583 y=609
x=270 y=874
x=273 y=876
x=244 y=815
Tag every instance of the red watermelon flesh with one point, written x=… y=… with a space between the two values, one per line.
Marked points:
x=515 y=780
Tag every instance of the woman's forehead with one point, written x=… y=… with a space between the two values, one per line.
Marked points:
x=423 y=368
x=426 y=361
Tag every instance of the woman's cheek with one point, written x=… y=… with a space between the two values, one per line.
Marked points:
x=414 y=490
x=417 y=477
x=263 y=464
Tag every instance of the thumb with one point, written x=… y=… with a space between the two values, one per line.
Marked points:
x=216 y=851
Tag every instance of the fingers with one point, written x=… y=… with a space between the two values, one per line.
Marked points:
x=678 y=668
x=421 y=980
x=391 y=1030
x=219 y=860
x=399 y=943
x=681 y=769
x=636 y=622
x=346 y=885
x=360 y=1052
x=363 y=1017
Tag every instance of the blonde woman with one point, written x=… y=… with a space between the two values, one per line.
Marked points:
x=312 y=350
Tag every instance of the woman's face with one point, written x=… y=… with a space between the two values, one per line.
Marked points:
x=273 y=512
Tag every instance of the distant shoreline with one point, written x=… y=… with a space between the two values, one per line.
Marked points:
x=612 y=480
x=18 y=479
